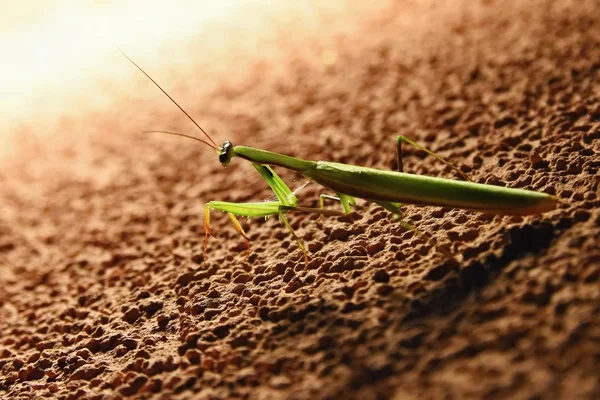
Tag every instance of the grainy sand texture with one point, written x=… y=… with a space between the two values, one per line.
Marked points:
x=103 y=290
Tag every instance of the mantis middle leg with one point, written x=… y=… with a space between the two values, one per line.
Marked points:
x=263 y=209
x=346 y=201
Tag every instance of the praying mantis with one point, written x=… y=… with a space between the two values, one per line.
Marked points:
x=389 y=189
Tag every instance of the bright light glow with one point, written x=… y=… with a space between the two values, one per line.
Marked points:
x=54 y=49
x=60 y=57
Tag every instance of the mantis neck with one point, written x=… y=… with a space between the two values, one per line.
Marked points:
x=267 y=157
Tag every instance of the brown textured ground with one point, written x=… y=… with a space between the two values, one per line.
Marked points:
x=103 y=289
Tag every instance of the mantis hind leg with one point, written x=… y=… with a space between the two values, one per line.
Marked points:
x=395 y=209
x=262 y=209
x=400 y=139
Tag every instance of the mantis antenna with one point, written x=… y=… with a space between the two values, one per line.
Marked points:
x=213 y=144
x=182 y=135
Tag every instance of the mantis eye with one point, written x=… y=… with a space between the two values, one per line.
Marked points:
x=226 y=153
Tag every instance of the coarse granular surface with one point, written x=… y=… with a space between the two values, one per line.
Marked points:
x=104 y=291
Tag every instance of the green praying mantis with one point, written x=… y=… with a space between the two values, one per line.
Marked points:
x=389 y=189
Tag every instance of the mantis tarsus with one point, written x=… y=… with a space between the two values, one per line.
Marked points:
x=389 y=189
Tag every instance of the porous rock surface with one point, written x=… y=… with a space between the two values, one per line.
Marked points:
x=104 y=293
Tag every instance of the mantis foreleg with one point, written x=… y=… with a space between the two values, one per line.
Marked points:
x=286 y=202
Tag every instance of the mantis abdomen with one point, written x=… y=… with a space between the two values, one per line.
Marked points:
x=391 y=186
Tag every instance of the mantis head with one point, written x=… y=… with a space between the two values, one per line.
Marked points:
x=225 y=153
